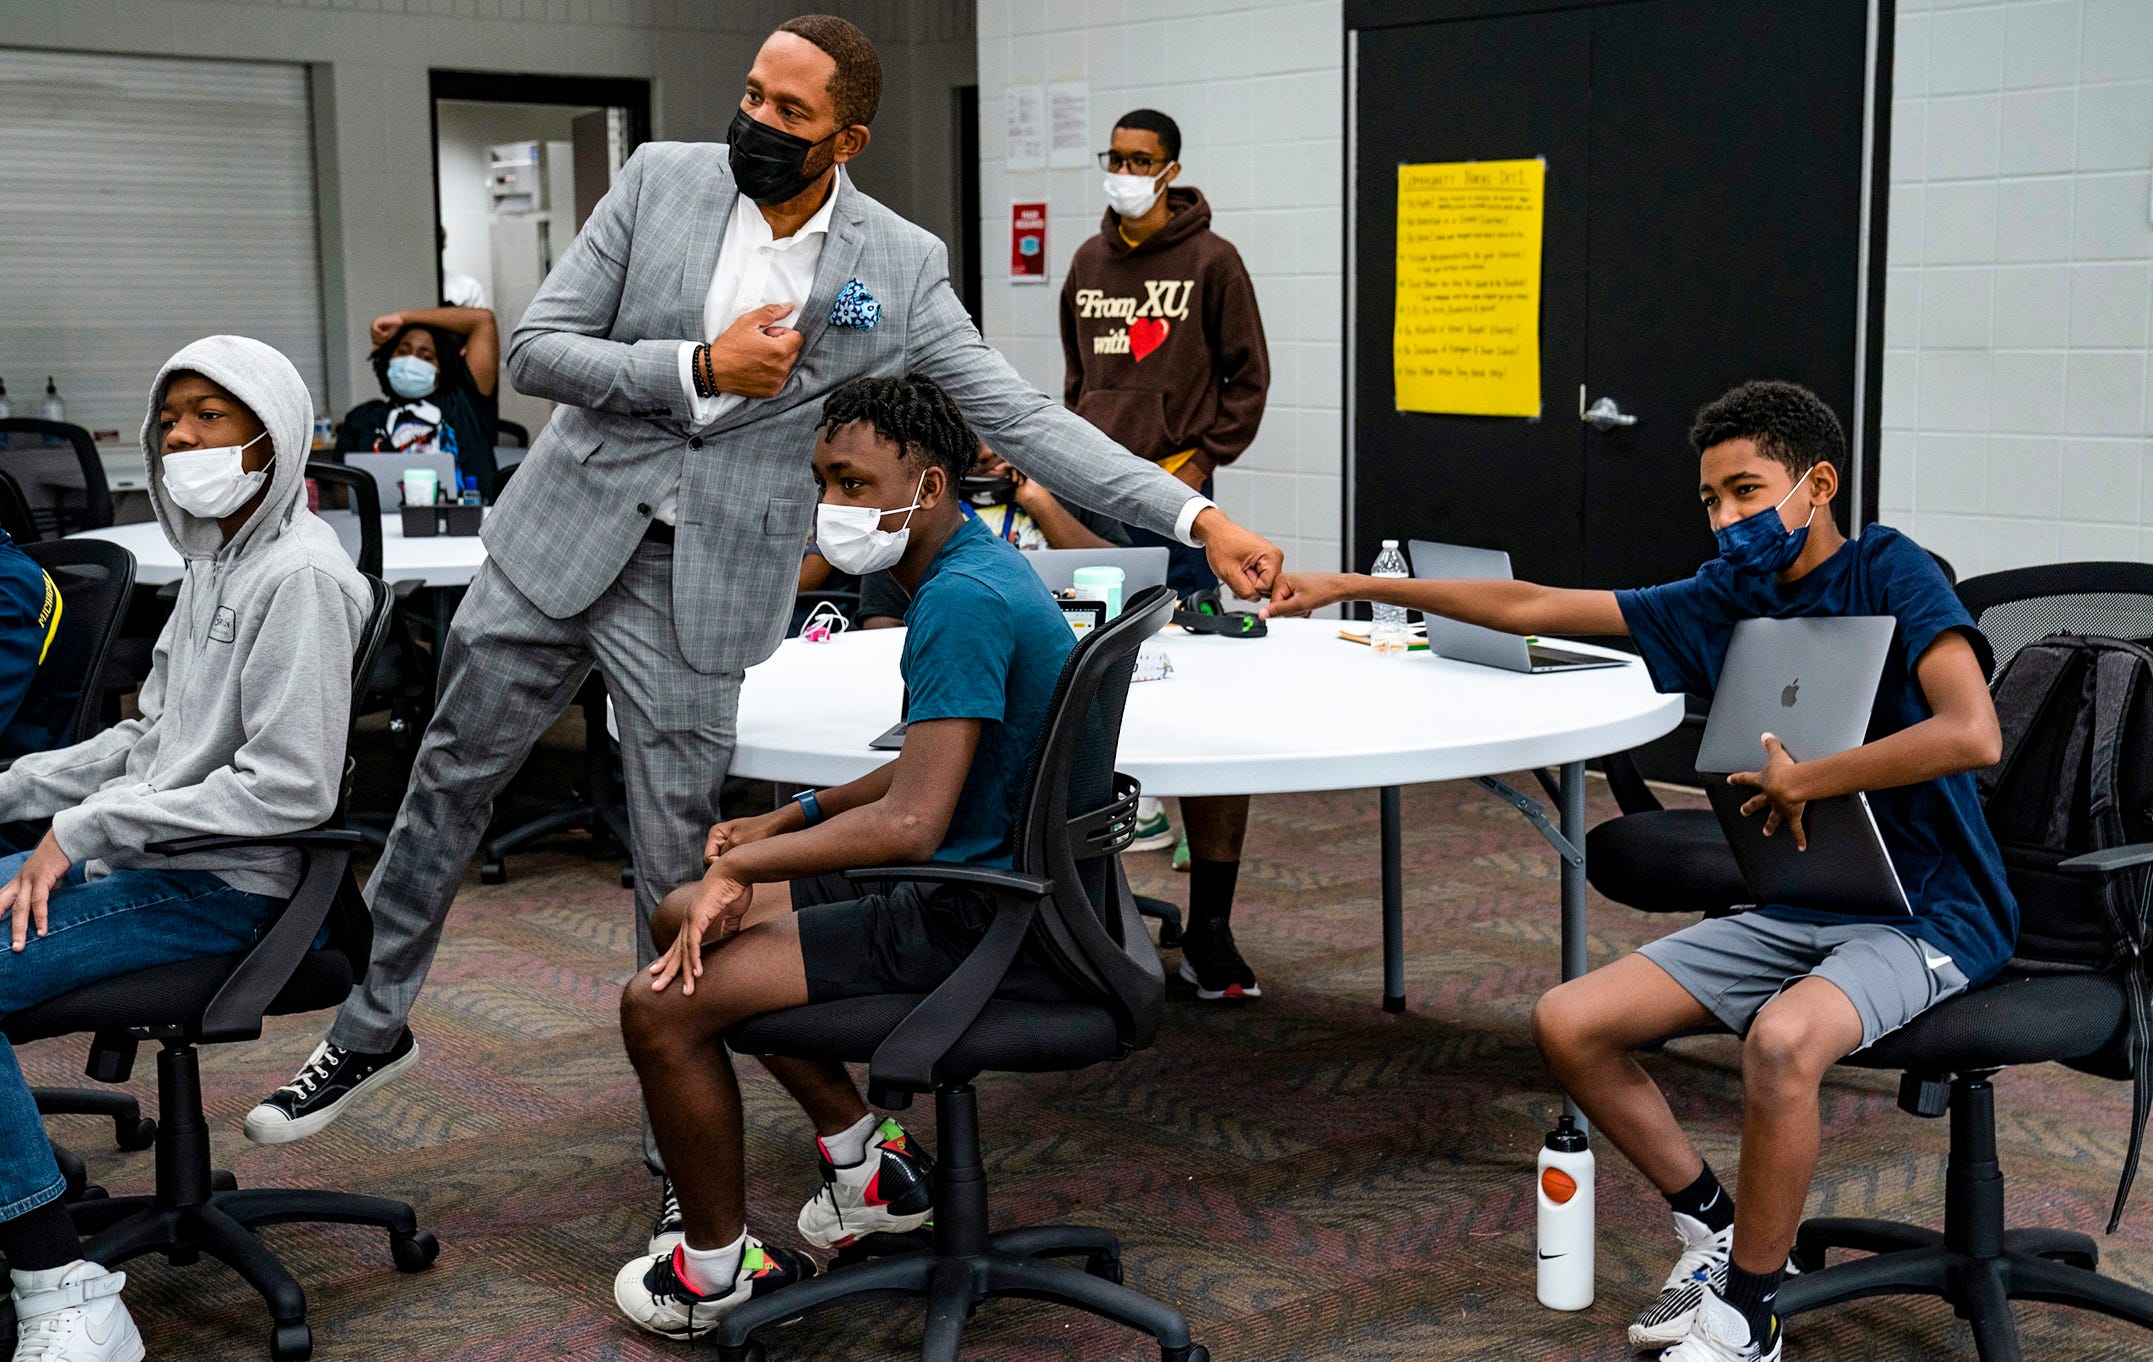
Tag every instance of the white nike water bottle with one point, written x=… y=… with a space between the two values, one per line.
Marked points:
x=1566 y=1218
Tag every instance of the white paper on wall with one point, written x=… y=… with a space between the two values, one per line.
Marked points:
x=1025 y=138
x=1069 y=124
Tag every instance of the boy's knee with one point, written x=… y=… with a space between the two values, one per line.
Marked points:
x=672 y=910
x=1785 y=1047
x=1562 y=1022
x=645 y=1025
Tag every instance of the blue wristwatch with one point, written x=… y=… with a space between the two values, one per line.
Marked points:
x=810 y=806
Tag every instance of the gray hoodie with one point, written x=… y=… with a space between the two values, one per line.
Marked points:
x=245 y=710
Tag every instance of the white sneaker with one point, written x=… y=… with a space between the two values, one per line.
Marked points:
x=73 y=1314
x=889 y=1191
x=1153 y=831
x=650 y=1292
x=1720 y=1334
x=1701 y=1268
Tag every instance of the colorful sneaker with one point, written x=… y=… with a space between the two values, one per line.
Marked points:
x=1701 y=1268
x=1153 y=831
x=1211 y=962
x=890 y=1191
x=650 y=1291
x=1181 y=854
x=324 y=1087
x=665 y=1233
x=73 y=1314
x=1720 y=1334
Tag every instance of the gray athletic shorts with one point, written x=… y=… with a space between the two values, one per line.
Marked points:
x=1735 y=965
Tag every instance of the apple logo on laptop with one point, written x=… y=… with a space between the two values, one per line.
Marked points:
x=1787 y=696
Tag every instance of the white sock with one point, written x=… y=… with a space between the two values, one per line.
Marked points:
x=848 y=1146
x=711 y=1272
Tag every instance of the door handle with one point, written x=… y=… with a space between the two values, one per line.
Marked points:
x=1605 y=415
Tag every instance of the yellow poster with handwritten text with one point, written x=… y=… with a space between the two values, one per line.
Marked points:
x=1466 y=338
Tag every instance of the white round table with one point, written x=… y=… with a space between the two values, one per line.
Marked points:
x=1300 y=709
x=439 y=561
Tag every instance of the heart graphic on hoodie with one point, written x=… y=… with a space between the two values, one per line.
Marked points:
x=1146 y=334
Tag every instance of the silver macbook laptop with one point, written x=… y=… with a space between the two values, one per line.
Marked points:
x=1811 y=684
x=1058 y=567
x=1488 y=647
x=388 y=471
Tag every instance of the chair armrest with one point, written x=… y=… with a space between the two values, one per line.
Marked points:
x=168 y=592
x=949 y=872
x=406 y=588
x=2110 y=860
x=310 y=839
x=906 y=1060
x=236 y=1012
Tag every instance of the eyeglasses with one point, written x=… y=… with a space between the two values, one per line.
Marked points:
x=1114 y=163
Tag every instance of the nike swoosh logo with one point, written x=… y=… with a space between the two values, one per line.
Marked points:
x=1547 y=1257
x=1714 y=1201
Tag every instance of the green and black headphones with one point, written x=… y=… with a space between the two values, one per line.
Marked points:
x=1206 y=613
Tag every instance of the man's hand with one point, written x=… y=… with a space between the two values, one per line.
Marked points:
x=1775 y=785
x=1031 y=497
x=26 y=894
x=715 y=916
x=385 y=326
x=754 y=355
x=1244 y=560
x=1304 y=593
x=738 y=832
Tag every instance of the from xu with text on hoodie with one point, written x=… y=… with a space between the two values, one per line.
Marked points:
x=244 y=712
x=1162 y=345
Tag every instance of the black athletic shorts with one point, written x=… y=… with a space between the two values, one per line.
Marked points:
x=860 y=939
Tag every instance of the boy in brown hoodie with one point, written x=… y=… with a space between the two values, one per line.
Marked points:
x=1163 y=350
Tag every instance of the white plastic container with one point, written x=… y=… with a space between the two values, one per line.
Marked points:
x=1565 y=1196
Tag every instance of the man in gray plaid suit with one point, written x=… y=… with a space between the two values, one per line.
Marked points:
x=656 y=527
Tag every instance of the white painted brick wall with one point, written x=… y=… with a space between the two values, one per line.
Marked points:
x=2017 y=398
x=1257 y=87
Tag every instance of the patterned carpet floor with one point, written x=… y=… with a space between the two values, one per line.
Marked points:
x=1308 y=1176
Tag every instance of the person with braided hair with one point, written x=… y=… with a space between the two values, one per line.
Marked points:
x=773 y=923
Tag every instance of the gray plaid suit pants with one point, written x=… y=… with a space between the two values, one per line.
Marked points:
x=508 y=673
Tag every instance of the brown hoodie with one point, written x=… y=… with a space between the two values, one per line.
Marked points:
x=1162 y=345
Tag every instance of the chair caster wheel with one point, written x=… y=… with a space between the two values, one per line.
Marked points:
x=493 y=872
x=92 y=1192
x=1105 y=1266
x=1169 y=935
x=627 y=877
x=1195 y=1352
x=291 y=1343
x=414 y=1252
x=748 y=1352
x=137 y=1134
x=223 y=1181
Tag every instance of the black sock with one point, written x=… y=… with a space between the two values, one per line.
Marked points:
x=1704 y=1200
x=1211 y=885
x=40 y=1240
x=1752 y=1293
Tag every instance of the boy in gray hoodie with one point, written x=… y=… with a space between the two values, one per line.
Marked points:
x=242 y=732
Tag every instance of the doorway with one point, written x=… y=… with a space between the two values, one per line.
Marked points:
x=519 y=163
x=1712 y=215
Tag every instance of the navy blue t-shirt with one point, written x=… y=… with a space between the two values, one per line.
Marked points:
x=1935 y=831
x=984 y=640
x=32 y=719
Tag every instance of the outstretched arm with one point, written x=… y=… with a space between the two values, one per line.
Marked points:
x=1513 y=607
x=481 y=344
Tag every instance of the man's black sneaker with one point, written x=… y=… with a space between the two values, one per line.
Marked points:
x=666 y=1235
x=324 y=1087
x=889 y=1191
x=1210 y=961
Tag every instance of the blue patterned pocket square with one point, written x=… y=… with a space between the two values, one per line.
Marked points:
x=856 y=308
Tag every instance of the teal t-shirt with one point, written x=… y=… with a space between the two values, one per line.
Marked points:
x=984 y=640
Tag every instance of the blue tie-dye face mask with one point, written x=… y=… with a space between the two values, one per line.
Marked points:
x=1761 y=544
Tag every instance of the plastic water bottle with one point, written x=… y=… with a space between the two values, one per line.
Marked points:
x=53 y=409
x=1389 y=637
x=470 y=491
x=1565 y=1196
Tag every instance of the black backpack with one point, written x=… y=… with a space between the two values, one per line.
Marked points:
x=2077 y=776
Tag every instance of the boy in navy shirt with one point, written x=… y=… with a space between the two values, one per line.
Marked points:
x=773 y=924
x=32 y=719
x=1803 y=988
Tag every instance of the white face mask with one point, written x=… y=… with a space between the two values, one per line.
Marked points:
x=212 y=482
x=1132 y=195
x=852 y=537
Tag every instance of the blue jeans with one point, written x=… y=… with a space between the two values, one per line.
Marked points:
x=129 y=920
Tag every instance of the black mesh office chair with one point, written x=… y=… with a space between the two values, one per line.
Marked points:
x=1064 y=888
x=507 y=431
x=15 y=515
x=403 y=679
x=219 y=1000
x=1661 y=860
x=59 y=518
x=95 y=580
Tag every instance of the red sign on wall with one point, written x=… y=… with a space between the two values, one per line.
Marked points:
x=1028 y=242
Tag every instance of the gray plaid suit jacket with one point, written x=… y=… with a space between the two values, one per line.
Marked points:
x=602 y=337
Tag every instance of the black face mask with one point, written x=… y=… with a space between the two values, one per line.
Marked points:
x=769 y=165
x=988 y=491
